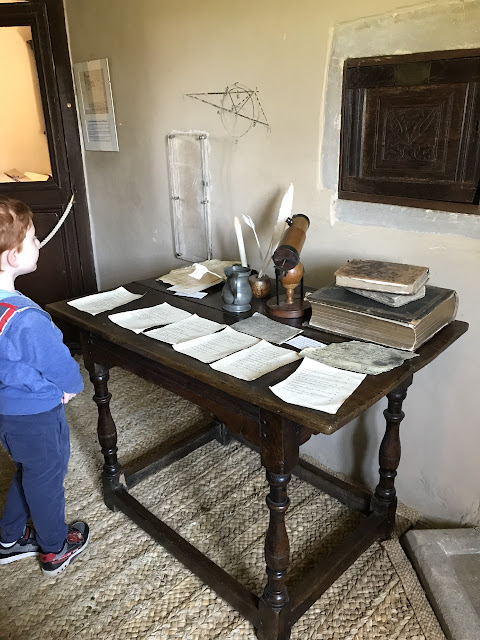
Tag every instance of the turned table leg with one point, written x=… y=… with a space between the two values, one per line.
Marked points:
x=107 y=433
x=274 y=605
x=279 y=447
x=384 y=500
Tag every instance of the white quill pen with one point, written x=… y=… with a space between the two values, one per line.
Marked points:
x=251 y=224
x=284 y=212
x=200 y=270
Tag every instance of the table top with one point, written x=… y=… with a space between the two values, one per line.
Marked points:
x=257 y=392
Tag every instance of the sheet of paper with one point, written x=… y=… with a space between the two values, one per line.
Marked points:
x=302 y=342
x=190 y=292
x=318 y=386
x=362 y=357
x=255 y=361
x=99 y=302
x=198 y=295
x=183 y=281
x=264 y=328
x=216 y=346
x=141 y=319
x=192 y=327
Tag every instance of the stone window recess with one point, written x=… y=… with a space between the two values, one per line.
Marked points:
x=410 y=130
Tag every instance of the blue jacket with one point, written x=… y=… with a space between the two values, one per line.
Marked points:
x=36 y=368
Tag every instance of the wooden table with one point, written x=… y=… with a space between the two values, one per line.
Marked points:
x=253 y=414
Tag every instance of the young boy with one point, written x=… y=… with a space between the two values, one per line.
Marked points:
x=38 y=376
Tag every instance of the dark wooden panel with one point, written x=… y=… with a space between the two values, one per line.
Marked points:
x=413 y=133
x=52 y=264
x=66 y=267
x=410 y=129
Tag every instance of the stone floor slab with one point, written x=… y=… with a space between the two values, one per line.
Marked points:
x=447 y=562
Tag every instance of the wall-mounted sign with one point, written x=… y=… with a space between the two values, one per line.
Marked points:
x=95 y=105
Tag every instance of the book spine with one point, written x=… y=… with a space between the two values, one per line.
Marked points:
x=345 y=325
x=369 y=285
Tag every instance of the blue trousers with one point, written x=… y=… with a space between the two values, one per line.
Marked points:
x=39 y=445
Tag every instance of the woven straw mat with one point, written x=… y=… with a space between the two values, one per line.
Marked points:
x=125 y=586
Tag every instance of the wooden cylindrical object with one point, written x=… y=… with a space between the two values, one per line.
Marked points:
x=287 y=254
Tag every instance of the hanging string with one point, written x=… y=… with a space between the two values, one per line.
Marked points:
x=59 y=223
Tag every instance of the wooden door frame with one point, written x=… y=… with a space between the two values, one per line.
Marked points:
x=63 y=114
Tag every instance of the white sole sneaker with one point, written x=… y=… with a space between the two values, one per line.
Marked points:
x=53 y=571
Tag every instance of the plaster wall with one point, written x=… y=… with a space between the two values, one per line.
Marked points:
x=158 y=52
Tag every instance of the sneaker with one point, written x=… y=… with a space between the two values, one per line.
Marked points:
x=24 y=547
x=75 y=542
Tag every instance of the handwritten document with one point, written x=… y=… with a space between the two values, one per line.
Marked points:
x=99 y=302
x=255 y=361
x=216 y=346
x=302 y=342
x=188 y=329
x=318 y=386
x=362 y=357
x=262 y=327
x=141 y=319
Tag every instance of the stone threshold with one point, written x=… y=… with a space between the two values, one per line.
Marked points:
x=447 y=562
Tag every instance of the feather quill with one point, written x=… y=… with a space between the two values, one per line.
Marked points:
x=248 y=220
x=284 y=213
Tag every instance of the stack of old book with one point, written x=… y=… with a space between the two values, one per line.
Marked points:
x=383 y=302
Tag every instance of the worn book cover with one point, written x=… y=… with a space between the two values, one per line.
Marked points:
x=342 y=312
x=390 y=299
x=376 y=275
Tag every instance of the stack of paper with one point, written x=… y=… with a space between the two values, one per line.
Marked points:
x=184 y=283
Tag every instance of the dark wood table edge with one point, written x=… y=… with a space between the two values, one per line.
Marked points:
x=309 y=417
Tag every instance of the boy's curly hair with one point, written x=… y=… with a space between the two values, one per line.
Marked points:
x=15 y=219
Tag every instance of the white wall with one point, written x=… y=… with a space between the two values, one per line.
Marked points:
x=158 y=52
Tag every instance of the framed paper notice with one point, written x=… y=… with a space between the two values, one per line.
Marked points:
x=95 y=105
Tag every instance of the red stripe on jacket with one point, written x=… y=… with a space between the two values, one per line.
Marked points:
x=5 y=317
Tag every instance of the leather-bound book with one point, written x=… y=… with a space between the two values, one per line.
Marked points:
x=375 y=275
x=339 y=311
x=390 y=299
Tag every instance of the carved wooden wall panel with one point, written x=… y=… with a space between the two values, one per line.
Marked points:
x=410 y=131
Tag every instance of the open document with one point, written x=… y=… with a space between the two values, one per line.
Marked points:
x=256 y=361
x=140 y=319
x=262 y=327
x=362 y=357
x=188 y=329
x=99 y=302
x=318 y=386
x=216 y=346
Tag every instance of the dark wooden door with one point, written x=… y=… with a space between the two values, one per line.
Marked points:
x=66 y=266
